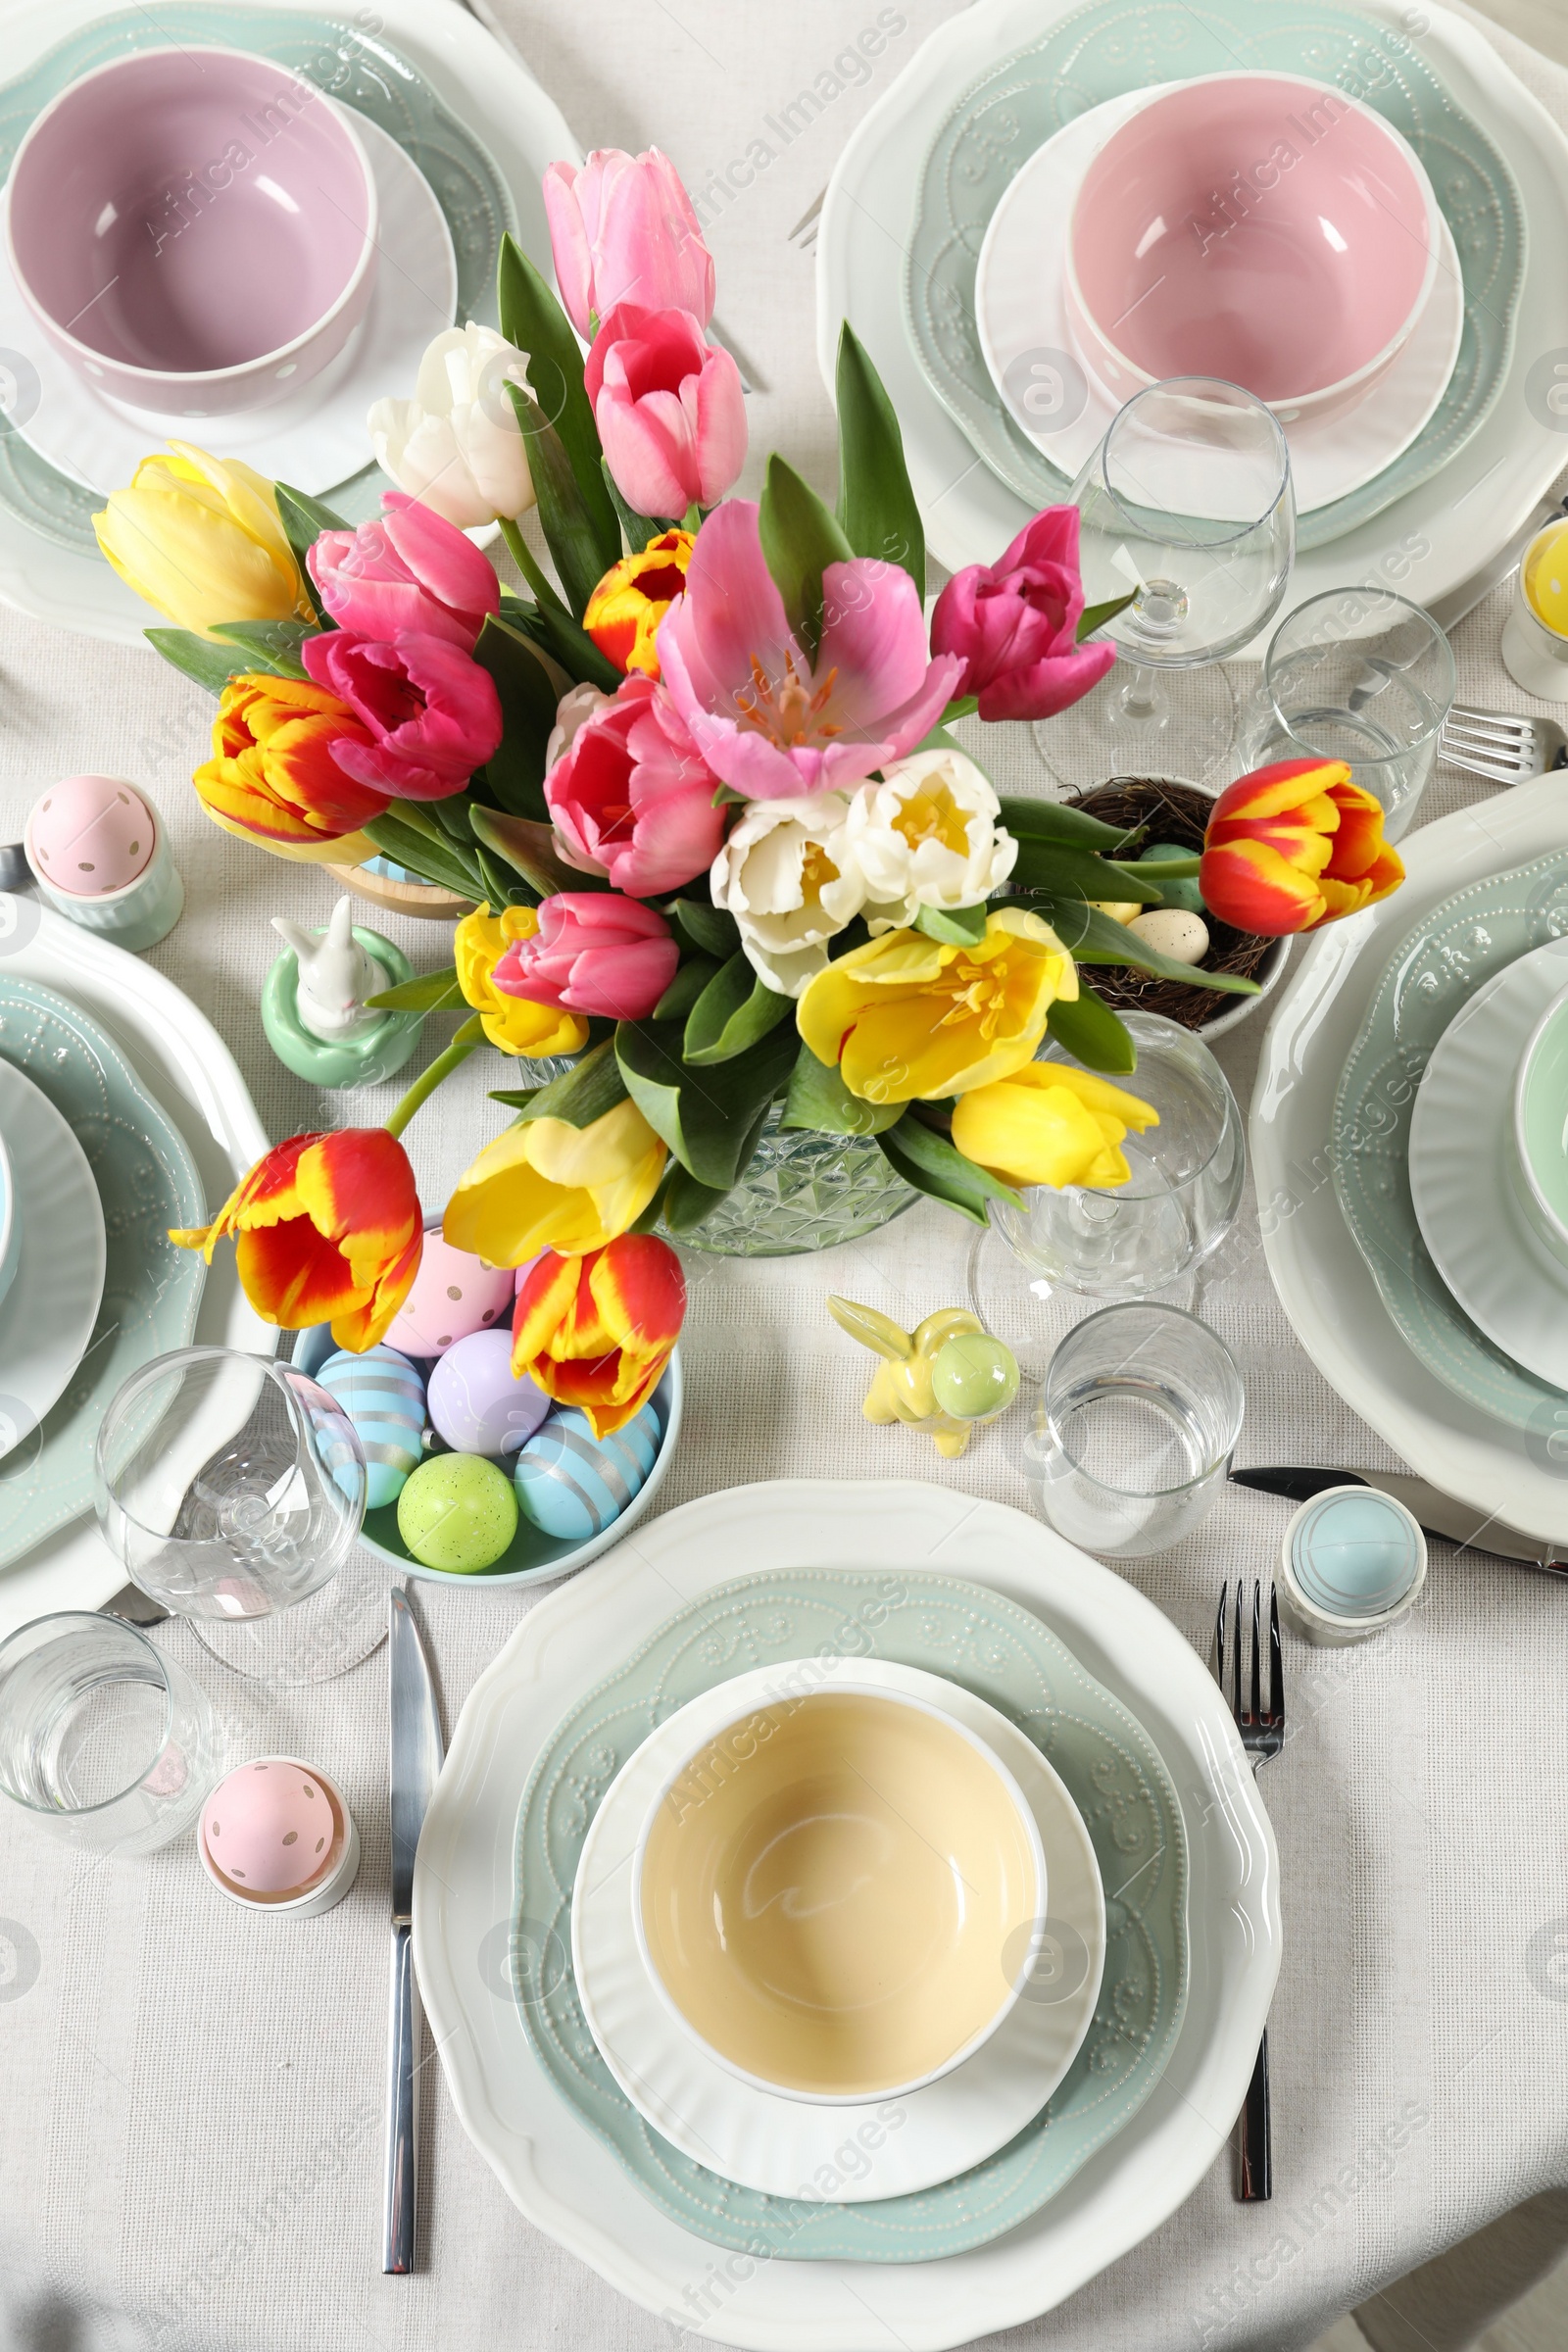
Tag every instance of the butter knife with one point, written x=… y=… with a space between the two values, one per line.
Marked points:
x=1438 y=1513
x=416 y=1753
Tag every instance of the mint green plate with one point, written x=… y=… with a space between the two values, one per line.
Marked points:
x=1455 y=948
x=354 y=66
x=1114 y=46
x=1113 y=1772
x=146 y=1182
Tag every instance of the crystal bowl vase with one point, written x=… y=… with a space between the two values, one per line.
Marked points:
x=804 y=1191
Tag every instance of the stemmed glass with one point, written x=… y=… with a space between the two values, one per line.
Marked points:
x=1188 y=504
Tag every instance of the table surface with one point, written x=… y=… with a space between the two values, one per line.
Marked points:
x=191 y=2147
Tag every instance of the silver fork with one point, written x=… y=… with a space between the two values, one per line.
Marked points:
x=1502 y=746
x=1262 y=1730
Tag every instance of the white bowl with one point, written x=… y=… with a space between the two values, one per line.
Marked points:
x=10 y=1222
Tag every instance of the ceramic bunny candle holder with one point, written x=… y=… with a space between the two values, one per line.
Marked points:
x=315 y=1004
x=946 y=1377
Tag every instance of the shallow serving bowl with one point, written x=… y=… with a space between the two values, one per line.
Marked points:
x=836 y=1896
x=1261 y=228
x=193 y=228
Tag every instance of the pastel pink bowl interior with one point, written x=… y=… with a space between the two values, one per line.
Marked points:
x=193 y=224
x=1254 y=226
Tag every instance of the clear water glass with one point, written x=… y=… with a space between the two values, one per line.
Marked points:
x=1180 y=1200
x=1135 y=1425
x=1361 y=676
x=103 y=1740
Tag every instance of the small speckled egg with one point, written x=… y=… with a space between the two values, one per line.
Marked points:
x=89 y=835
x=572 y=1483
x=1172 y=931
x=383 y=1396
x=454 y=1293
x=458 y=1512
x=477 y=1404
x=269 y=1827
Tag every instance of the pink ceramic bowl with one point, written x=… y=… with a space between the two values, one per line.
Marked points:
x=1257 y=227
x=193 y=228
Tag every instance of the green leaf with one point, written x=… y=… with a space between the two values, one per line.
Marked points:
x=501 y=887
x=934 y=1165
x=686 y=1202
x=1053 y=821
x=954 y=926
x=800 y=539
x=711 y=1118
x=636 y=529
x=558 y=635
x=708 y=928
x=432 y=992
x=1092 y=1034
x=592 y=1087
x=271 y=645
x=530 y=849
x=877 y=507
x=1078 y=873
x=819 y=1098
x=568 y=526
x=304 y=519
x=433 y=859
x=533 y=320
x=685 y=989
x=211 y=665
x=515 y=773
x=1095 y=938
x=1094 y=617
x=733 y=1011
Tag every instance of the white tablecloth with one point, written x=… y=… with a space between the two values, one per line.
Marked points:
x=191 y=2111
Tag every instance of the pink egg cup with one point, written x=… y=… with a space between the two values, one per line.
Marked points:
x=325 y=1885
x=1261 y=228
x=99 y=854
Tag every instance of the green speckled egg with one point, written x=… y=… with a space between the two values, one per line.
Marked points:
x=1186 y=894
x=458 y=1512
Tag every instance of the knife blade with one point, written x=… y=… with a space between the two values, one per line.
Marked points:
x=415 y=1762
x=1448 y=611
x=1438 y=1514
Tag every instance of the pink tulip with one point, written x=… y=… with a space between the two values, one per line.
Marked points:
x=1014 y=624
x=630 y=797
x=594 y=952
x=433 y=714
x=670 y=409
x=622 y=229
x=411 y=571
x=769 y=722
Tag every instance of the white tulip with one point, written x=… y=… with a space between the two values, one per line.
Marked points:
x=789 y=877
x=926 y=835
x=457 y=444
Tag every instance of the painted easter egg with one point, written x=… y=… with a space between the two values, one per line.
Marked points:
x=89 y=835
x=477 y=1404
x=454 y=1293
x=1184 y=894
x=572 y=1483
x=458 y=1512
x=269 y=1827
x=383 y=1396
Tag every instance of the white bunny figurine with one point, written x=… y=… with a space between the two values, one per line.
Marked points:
x=336 y=975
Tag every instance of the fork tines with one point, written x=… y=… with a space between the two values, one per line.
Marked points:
x=1260 y=1722
x=1494 y=744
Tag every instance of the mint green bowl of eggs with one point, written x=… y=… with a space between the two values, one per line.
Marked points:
x=1539 y=1165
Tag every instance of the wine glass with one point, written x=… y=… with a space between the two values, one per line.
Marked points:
x=1187 y=505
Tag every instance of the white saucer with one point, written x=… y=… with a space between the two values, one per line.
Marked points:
x=313 y=440
x=1461 y=1126
x=47 y=1316
x=1022 y=318
x=788 y=2148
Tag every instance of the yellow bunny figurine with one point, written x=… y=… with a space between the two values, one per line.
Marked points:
x=946 y=1377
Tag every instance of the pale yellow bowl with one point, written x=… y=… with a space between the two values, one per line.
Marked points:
x=836 y=1896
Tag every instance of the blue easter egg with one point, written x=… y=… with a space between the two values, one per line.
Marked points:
x=383 y=1396
x=572 y=1483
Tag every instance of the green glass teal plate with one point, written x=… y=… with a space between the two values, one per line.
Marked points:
x=1113 y=1772
x=1453 y=949
x=146 y=1182
x=1114 y=46
x=356 y=66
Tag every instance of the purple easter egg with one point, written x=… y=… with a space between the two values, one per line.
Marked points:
x=475 y=1401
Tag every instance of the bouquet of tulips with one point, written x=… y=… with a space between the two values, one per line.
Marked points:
x=723 y=851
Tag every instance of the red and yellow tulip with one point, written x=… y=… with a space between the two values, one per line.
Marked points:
x=272 y=778
x=596 y=1331
x=326 y=1228
x=1295 y=845
x=626 y=607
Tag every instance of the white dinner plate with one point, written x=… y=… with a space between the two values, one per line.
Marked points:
x=47 y=1316
x=1020 y=307
x=1461 y=1142
x=318 y=437
x=569 y=2183
x=759 y=2137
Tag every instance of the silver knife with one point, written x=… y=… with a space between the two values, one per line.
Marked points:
x=416 y=1753
x=1448 y=611
x=1438 y=1514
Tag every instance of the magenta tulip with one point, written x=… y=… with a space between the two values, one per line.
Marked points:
x=433 y=714
x=1014 y=624
x=670 y=409
x=630 y=796
x=622 y=229
x=413 y=572
x=769 y=720
x=594 y=952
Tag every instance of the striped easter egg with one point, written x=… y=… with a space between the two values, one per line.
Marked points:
x=383 y=1396
x=572 y=1483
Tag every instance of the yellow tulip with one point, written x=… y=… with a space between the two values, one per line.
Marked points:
x=199 y=538
x=907 y=1019
x=545 y=1184
x=1051 y=1124
x=479 y=944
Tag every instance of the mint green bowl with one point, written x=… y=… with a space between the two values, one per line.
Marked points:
x=1539 y=1165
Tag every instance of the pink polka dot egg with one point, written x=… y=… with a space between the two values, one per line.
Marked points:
x=274 y=1833
x=454 y=1294
x=90 y=835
